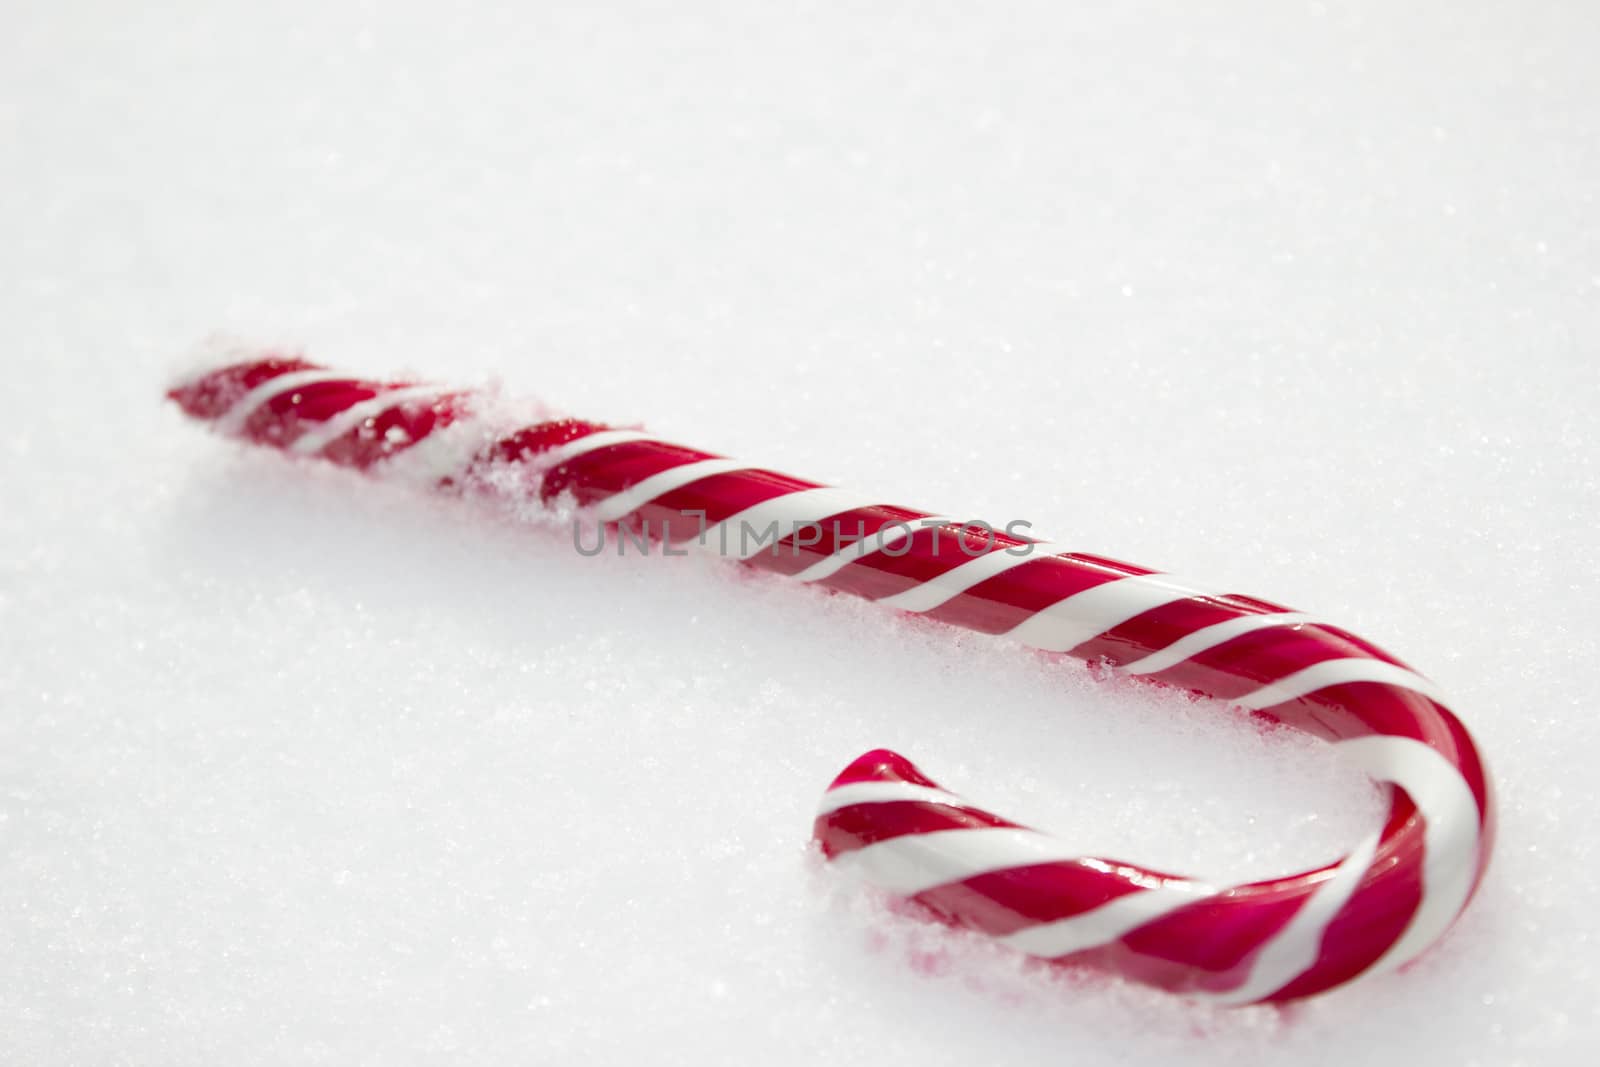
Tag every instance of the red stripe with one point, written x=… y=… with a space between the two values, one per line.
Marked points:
x=718 y=497
x=1247 y=662
x=1210 y=945
x=999 y=604
x=1359 y=646
x=1003 y=902
x=393 y=430
x=530 y=441
x=605 y=472
x=1464 y=756
x=838 y=531
x=1357 y=709
x=1360 y=709
x=1161 y=626
x=1377 y=914
x=211 y=396
x=922 y=557
x=282 y=419
x=860 y=825
x=1215 y=940
x=516 y=456
x=321 y=401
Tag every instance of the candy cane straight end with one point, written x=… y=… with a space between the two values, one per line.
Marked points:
x=1235 y=943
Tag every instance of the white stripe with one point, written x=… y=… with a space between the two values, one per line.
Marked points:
x=330 y=430
x=1102 y=925
x=593 y=442
x=892 y=534
x=1068 y=623
x=1450 y=832
x=846 y=796
x=1210 y=637
x=1293 y=950
x=959 y=579
x=1337 y=672
x=789 y=512
x=912 y=863
x=235 y=418
x=631 y=499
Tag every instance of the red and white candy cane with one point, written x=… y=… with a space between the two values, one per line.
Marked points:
x=1273 y=940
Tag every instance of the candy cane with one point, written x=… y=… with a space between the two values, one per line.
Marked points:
x=1273 y=940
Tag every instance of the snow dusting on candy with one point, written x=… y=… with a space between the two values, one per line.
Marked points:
x=1374 y=909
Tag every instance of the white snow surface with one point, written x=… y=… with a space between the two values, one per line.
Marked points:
x=1298 y=299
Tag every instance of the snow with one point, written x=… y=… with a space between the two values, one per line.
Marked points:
x=1296 y=299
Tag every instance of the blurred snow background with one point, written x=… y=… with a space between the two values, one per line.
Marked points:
x=1302 y=299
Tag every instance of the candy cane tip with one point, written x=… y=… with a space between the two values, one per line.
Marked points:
x=207 y=356
x=191 y=397
x=210 y=394
x=881 y=765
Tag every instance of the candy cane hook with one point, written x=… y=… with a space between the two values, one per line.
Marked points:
x=1272 y=940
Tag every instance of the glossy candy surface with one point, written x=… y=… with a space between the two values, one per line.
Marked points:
x=1279 y=939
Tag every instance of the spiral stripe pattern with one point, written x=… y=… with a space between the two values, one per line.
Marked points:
x=1272 y=940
